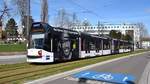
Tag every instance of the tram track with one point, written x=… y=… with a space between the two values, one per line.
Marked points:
x=25 y=73
x=19 y=73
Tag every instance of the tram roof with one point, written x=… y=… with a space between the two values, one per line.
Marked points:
x=59 y=29
x=90 y=35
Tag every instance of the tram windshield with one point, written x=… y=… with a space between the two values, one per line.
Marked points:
x=37 y=43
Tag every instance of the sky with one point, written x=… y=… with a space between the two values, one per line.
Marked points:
x=108 y=11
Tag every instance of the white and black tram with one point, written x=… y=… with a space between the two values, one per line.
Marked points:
x=50 y=44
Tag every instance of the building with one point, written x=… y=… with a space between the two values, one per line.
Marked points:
x=132 y=29
x=146 y=42
x=18 y=38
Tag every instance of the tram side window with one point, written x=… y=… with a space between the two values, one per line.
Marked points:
x=125 y=45
x=82 y=44
x=92 y=45
x=87 y=46
x=116 y=45
x=55 y=44
x=129 y=45
x=47 y=42
x=106 y=44
x=121 y=45
x=73 y=43
x=98 y=44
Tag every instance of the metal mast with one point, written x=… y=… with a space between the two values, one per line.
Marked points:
x=44 y=11
x=28 y=18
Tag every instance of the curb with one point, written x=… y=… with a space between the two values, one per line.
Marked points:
x=11 y=53
x=67 y=73
x=145 y=78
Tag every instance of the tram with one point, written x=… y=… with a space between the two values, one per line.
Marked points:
x=50 y=44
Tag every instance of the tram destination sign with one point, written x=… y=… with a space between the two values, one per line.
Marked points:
x=37 y=28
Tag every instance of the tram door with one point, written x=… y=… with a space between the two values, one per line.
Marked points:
x=75 y=48
x=115 y=47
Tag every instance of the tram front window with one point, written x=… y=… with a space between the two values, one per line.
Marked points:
x=37 y=43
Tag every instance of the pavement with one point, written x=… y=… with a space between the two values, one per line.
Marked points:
x=138 y=65
x=12 y=59
x=145 y=78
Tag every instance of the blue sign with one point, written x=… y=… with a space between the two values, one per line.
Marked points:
x=106 y=77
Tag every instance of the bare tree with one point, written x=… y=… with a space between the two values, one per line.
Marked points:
x=63 y=19
x=66 y=20
x=142 y=29
x=22 y=7
x=4 y=11
x=86 y=23
x=74 y=19
x=143 y=32
x=44 y=11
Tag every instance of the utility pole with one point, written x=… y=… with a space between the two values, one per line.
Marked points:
x=74 y=17
x=101 y=26
x=98 y=28
x=28 y=21
x=44 y=11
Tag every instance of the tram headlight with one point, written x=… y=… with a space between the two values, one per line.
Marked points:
x=40 y=53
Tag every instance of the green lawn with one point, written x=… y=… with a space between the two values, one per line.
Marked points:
x=13 y=47
x=20 y=73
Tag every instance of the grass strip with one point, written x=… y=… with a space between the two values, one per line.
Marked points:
x=13 y=47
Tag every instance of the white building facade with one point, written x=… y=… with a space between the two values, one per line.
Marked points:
x=146 y=42
x=133 y=29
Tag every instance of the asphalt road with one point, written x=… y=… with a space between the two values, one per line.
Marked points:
x=133 y=65
x=12 y=59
